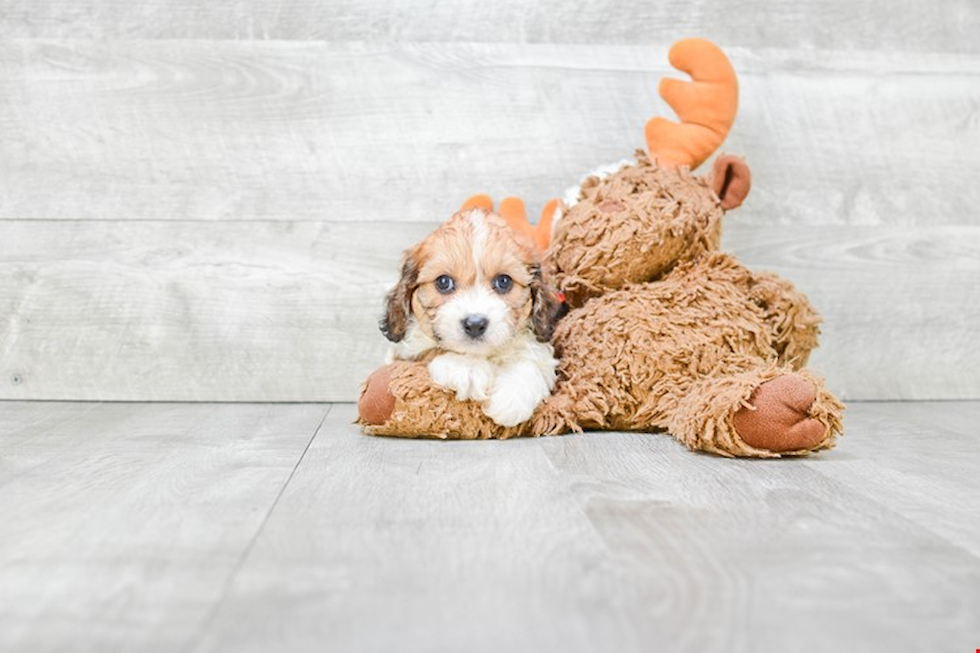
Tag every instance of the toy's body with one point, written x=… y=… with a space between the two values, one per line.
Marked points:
x=665 y=332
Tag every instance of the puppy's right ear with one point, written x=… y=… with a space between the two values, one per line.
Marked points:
x=398 y=303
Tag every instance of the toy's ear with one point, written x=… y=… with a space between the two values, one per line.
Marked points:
x=731 y=180
x=398 y=303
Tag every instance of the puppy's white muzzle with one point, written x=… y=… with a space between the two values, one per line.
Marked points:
x=475 y=321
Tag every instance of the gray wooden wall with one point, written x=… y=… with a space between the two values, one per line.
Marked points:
x=206 y=201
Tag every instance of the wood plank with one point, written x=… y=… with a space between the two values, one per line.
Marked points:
x=770 y=554
x=123 y=522
x=280 y=311
x=418 y=547
x=899 y=304
x=606 y=541
x=917 y=459
x=958 y=418
x=906 y=26
x=388 y=132
x=186 y=311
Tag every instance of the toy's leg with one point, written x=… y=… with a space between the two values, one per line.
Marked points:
x=793 y=319
x=401 y=400
x=556 y=415
x=584 y=403
x=762 y=413
x=376 y=402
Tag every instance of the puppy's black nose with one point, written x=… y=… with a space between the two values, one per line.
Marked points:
x=475 y=325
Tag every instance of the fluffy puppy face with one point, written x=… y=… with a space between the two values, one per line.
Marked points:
x=471 y=286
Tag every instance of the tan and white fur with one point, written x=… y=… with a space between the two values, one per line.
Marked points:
x=472 y=300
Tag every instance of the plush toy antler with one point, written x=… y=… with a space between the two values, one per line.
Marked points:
x=706 y=105
x=512 y=210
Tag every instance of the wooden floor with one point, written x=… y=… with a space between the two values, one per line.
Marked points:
x=260 y=527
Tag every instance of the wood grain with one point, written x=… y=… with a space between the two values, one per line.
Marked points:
x=899 y=304
x=204 y=527
x=122 y=523
x=771 y=555
x=418 y=547
x=611 y=541
x=191 y=311
x=386 y=132
x=906 y=25
x=288 y=311
x=917 y=460
x=217 y=220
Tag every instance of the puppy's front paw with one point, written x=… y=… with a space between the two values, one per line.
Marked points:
x=509 y=405
x=468 y=377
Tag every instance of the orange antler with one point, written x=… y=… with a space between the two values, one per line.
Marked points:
x=706 y=105
x=512 y=210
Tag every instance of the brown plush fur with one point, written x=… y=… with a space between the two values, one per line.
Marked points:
x=665 y=332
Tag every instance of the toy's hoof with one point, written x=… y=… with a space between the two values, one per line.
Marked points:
x=781 y=420
x=376 y=403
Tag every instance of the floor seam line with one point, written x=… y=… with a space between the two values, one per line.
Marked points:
x=240 y=563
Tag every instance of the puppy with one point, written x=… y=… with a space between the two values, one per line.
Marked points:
x=471 y=298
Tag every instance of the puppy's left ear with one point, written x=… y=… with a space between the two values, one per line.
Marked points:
x=545 y=306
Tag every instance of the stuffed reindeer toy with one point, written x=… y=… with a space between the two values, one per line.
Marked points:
x=663 y=331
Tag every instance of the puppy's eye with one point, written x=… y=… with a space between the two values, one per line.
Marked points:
x=502 y=283
x=445 y=284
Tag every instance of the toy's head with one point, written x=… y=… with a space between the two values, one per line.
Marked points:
x=638 y=223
